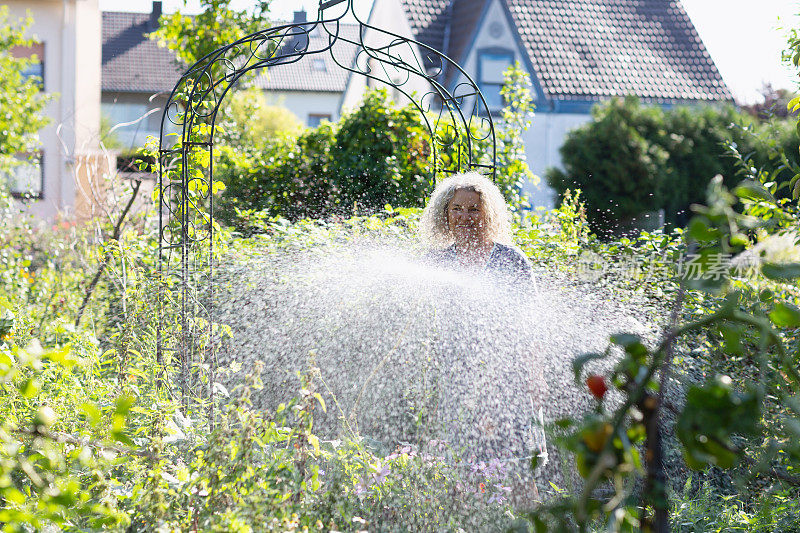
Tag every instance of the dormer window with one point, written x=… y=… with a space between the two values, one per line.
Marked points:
x=492 y=63
x=318 y=64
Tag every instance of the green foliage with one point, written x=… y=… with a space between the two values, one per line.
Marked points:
x=611 y=161
x=512 y=168
x=378 y=154
x=92 y=438
x=714 y=411
x=631 y=159
x=743 y=417
x=21 y=100
x=193 y=37
x=250 y=122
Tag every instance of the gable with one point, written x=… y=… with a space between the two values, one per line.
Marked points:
x=492 y=48
x=586 y=49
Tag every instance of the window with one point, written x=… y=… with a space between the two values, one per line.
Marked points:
x=314 y=119
x=491 y=66
x=35 y=69
x=26 y=177
x=133 y=121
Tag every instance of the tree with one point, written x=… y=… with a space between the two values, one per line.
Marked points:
x=614 y=162
x=21 y=100
x=632 y=158
x=194 y=37
x=249 y=121
x=774 y=104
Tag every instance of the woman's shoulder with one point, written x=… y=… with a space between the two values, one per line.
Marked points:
x=440 y=254
x=510 y=258
x=510 y=252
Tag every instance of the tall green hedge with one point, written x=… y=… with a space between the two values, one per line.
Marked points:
x=631 y=158
x=378 y=154
x=375 y=155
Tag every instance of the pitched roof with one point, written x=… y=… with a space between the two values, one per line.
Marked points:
x=428 y=21
x=315 y=72
x=466 y=15
x=134 y=63
x=585 y=49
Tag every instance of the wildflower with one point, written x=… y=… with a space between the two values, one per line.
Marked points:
x=361 y=487
x=479 y=467
x=379 y=476
x=482 y=488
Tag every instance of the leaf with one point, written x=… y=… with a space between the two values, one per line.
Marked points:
x=30 y=387
x=120 y=436
x=713 y=412
x=92 y=413
x=321 y=401
x=217 y=187
x=785 y=315
x=625 y=339
x=44 y=416
x=732 y=335
x=753 y=190
x=579 y=362
x=123 y=404
x=62 y=356
x=781 y=271
x=314 y=440
x=700 y=231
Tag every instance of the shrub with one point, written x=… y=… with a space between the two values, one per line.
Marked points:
x=376 y=155
x=249 y=121
x=631 y=159
x=612 y=160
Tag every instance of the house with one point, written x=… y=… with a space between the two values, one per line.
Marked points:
x=576 y=52
x=68 y=48
x=138 y=76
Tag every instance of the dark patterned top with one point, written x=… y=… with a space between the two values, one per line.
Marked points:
x=507 y=262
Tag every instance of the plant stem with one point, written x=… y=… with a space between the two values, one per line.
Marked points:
x=114 y=236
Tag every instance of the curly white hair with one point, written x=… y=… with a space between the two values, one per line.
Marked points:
x=433 y=226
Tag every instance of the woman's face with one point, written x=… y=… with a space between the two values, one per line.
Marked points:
x=465 y=217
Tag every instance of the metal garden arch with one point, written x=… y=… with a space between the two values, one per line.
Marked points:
x=457 y=120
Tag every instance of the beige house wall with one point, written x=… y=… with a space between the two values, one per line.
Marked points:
x=70 y=31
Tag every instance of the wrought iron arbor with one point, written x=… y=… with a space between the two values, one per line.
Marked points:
x=457 y=120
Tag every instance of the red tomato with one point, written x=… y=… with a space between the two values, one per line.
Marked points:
x=597 y=386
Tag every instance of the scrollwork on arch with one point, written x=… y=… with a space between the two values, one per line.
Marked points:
x=460 y=127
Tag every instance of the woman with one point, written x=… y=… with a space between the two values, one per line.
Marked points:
x=467 y=219
x=468 y=225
